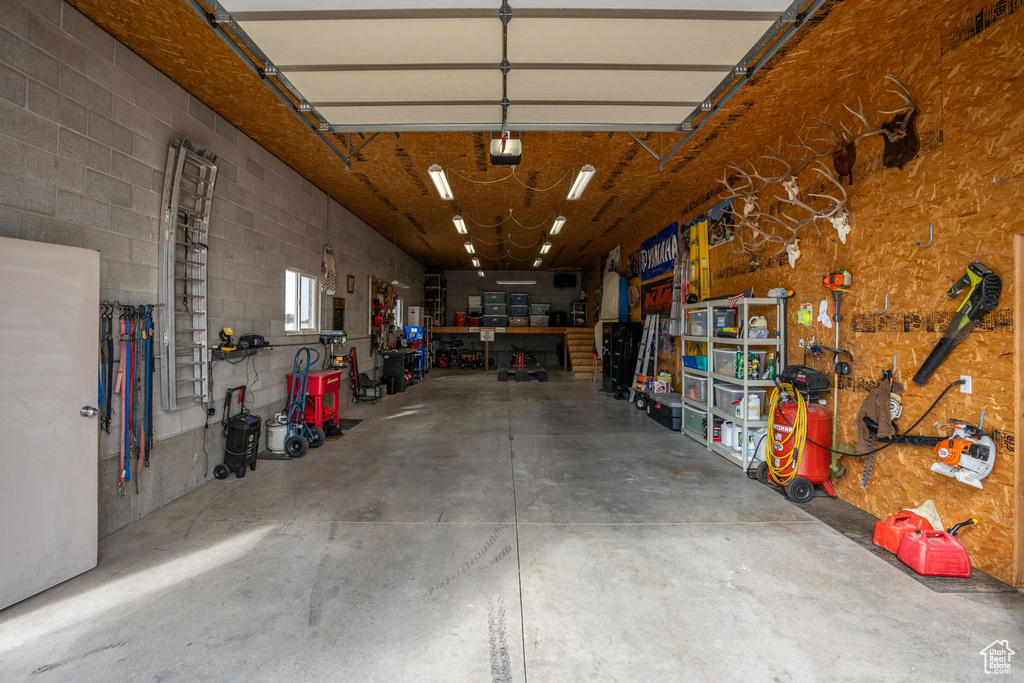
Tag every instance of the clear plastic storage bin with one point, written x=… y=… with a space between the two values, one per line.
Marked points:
x=697 y=323
x=694 y=421
x=695 y=388
x=728 y=394
x=725 y=362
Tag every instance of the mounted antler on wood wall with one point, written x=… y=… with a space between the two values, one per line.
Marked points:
x=754 y=229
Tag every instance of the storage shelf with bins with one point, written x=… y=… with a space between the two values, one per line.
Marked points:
x=435 y=298
x=717 y=379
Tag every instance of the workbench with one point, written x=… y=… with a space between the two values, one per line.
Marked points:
x=475 y=331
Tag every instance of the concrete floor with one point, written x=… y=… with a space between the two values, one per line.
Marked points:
x=471 y=531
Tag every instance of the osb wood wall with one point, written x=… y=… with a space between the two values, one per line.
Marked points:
x=965 y=74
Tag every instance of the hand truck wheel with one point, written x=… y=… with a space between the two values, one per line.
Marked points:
x=316 y=437
x=296 y=445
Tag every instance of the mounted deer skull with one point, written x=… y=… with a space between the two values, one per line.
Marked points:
x=899 y=136
x=845 y=154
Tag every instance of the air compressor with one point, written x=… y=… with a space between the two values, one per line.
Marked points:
x=799 y=438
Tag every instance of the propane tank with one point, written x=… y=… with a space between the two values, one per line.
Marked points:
x=815 y=464
x=277 y=432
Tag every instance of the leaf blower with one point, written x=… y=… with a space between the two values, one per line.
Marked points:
x=983 y=290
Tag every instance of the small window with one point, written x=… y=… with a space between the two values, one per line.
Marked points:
x=300 y=302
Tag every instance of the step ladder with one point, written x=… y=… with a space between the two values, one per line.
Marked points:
x=648 y=349
x=182 y=274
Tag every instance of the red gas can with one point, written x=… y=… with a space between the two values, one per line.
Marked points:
x=890 y=531
x=814 y=467
x=934 y=553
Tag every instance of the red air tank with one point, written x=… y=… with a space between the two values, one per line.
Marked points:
x=815 y=464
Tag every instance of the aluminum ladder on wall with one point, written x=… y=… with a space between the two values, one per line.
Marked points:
x=183 y=262
x=647 y=351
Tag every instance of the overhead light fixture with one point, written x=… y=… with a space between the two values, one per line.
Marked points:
x=399 y=284
x=476 y=262
x=536 y=263
x=469 y=247
x=557 y=227
x=545 y=248
x=460 y=225
x=580 y=184
x=441 y=182
x=516 y=282
x=705 y=105
x=480 y=273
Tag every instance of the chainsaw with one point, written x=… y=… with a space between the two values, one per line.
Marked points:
x=967 y=456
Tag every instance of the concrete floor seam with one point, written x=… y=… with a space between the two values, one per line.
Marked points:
x=515 y=517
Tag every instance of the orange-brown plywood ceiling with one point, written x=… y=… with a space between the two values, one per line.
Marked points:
x=388 y=185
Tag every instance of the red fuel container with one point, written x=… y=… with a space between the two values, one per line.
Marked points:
x=890 y=531
x=934 y=553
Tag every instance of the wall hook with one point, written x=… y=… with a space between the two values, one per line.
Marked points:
x=886 y=302
x=931 y=236
x=1000 y=182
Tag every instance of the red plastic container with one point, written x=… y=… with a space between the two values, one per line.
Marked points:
x=460 y=320
x=934 y=553
x=890 y=531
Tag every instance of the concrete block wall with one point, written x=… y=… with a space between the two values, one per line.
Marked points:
x=464 y=283
x=84 y=131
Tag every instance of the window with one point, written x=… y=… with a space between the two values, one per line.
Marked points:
x=300 y=302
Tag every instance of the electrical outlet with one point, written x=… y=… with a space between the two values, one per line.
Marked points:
x=965 y=388
x=801 y=343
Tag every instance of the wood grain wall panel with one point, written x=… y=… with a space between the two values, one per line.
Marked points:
x=970 y=125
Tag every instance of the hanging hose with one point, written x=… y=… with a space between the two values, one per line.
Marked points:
x=788 y=464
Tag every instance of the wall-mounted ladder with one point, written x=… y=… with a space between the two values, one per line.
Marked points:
x=183 y=261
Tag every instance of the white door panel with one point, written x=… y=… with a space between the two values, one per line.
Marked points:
x=49 y=317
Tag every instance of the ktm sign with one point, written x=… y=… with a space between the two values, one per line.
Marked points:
x=656 y=297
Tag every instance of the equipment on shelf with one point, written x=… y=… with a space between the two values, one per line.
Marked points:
x=837 y=282
x=334 y=349
x=798 y=455
x=983 y=290
x=252 y=341
x=301 y=436
x=241 y=437
x=226 y=341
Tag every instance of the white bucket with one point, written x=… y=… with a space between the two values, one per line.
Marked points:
x=277 y=432
x=728 y=436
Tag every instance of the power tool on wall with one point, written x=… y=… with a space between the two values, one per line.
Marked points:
x=227 y=342
x=968 y=455
x=837 y=282
x=983 y=290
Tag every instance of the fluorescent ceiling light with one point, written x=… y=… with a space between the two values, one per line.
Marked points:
x=480 y=273
x=460 y=225
x=469 y=247
x=580 y=184
x=476 y=262
x=536 y=263
x=516 y=282
x=557 y=227
x=545 y=248
x=441 y=182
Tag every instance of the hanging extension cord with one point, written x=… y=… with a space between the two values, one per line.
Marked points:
x=895 y=439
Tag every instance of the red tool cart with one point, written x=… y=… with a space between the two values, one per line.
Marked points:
x=322 y=384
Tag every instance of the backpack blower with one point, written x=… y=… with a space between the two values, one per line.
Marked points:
x=984 y=288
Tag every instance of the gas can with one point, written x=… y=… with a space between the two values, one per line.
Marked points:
x=934 y=553
x=890 y=531
x=814 y=466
